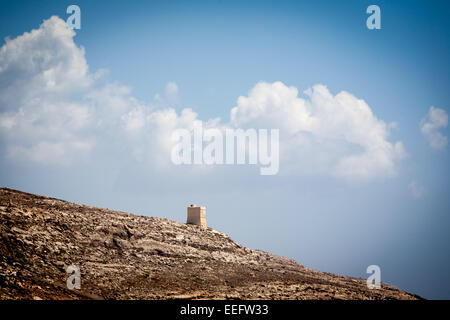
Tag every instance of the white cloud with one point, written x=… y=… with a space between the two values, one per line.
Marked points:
x=40 y=72
x=53 y=110
x=416 y=189
x=149 y=132
x=50 y=152
x=337 y=134
x=42 y=63
x=429 y=126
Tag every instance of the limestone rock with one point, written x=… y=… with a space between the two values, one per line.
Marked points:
x=125 y=256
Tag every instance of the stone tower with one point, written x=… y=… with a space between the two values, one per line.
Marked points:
x=196 y=215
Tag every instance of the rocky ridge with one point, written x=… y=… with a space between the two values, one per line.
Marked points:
x=126 y=256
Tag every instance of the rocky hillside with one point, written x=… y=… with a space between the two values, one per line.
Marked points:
x=126 y=256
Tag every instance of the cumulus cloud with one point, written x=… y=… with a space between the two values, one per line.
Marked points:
x=338 y=133
x=170 y=96
x=416 y=189
x=149 y=132
x=429 y=126
x=40 y=71
x=54 y=110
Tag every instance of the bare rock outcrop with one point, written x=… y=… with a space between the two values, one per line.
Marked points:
x=126 y=256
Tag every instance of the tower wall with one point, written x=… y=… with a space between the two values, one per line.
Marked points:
x=196 y=215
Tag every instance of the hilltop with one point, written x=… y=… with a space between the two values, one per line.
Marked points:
x=127 y=256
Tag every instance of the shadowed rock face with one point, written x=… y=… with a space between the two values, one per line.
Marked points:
x=125 y=256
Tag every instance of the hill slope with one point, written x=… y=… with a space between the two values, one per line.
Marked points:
x=125 y=256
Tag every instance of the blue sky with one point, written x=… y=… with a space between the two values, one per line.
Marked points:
x=212 y=52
